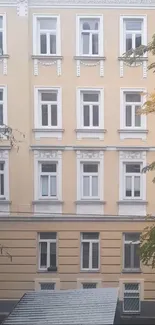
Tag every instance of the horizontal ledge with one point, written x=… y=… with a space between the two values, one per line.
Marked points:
x=45 y=147
x=91 y=130
x=131 y=271
x=48 y=130
x=138 y=59
x=5 y=147
x=3 y=201
x=132 y=148
x=46 y=57
x=4 y=56
x=132 y=131
x=47 y=202
x=91 y=202
x=133 y=202
x=89 y=58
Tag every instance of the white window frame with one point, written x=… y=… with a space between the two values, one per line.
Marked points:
x=122 y=30
x=130 y=291
x=37 y=108
x=129 y=269
x=49 y=175
x=3 y=15
x=38 y=281
x=123 y=92
x=81 y=281
x=90 y=175
x=131 y=160
x=78 y=35
x=36 y=41
x=48 y=241
x=132 y=175
x=5 y=115
x=98 y=160
x=39 y=158
x=4 y=159
x=90 y=253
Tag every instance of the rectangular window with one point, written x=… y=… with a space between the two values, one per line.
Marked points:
x=90 y=251
x=133 y=33
x=131 y=301
x=48 y=179
x=48 y=35
x=90 y=180
x=47 y=250
x=90 y=38
x=47 y=286
x=132 y=181
x=132 y=104
x=90 y=109
x=2 y=176
x=48 y=106
x=88 y=285
x=131 y=251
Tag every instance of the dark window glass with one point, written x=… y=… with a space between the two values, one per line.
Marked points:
x=48 y=235
x=90 y=235
x=49 y=96
x=43 y=255
x=43 y=44
x=95 y=254
x=85 y=262
x=54 y=115
x=2 y=184
x=52 y=254
x=49 y=168
x=132 y=168
x=47 y=286
x=95 y=115
x=90 y=168
x=44 y=115
x=52 y=44
x=86 y=115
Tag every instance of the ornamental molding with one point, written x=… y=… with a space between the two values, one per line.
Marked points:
x=89 y=154
x=22 y=5
x=43 y=155
x=132 y=155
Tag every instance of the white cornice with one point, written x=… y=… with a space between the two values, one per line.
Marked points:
x=89 y=4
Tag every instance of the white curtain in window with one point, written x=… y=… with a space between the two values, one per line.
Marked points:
x=86 y=185
x=44 y=185
x=94 y=185
x=53 y=186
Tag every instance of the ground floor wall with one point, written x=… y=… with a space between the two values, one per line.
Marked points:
x=20 y=273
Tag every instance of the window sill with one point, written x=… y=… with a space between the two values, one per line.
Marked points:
x=4 y=56
x=46 y=57
x=89 y=57
x=89 y=271
x=131 y=271
x=138 y=59
x=4 y=201
x=47 y=201
x=91 y=201
x=133 y=133
x=132 y=202
x=90 y=133
x=48 y=133
x=45 y=271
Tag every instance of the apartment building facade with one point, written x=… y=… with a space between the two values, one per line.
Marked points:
x=73 y=199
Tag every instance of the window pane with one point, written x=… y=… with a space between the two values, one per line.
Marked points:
x=128 y=42
x=1 y=94
x=53 y=186
x=128 y=121
x=95 y=44
x=47 y=286
x=133 y=97
x=127 y=257
x=132 y=237
x=132 y=168
x=48 y=168
x=133 y=25
x=2 y=184
x=131 y=304
x=52 y=254
x=54 y=115
x=86 y=186
x=90 y=235
x=94 y=185
x=1 y=166
x=85 y=41
x=137 y=116
x=86 y=115
x=1 y=22
x=86 y=25
x=44 y=185
x=43 y=44
x=138 y=40
x=89 y=285
x=90 y=97
x=1 y=114
x=53 y=44
x=47 y=23
x=43 y=254
x=128 y=191
x=136 y=256
x=44 y=115
x=95 y=255
x=1 y=43
x=95 y=115
x=85 y=257
x=48 y=235
x=90 y=168
x=137 y=186
x=132 y=286
x=49 y=96
x=90 y=24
